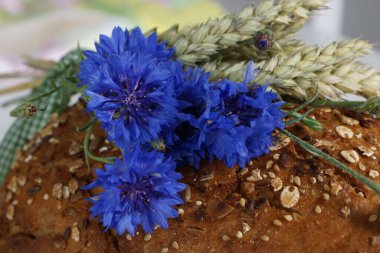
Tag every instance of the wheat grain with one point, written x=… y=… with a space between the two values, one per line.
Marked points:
x=355 y=77
x=291 y=18
x=198 y=42
x=299 y=74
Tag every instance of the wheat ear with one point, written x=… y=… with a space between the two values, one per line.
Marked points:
x=197 y=43
x=299 y=74
x=356 y=77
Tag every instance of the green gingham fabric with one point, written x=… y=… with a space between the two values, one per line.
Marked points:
x=23 y=130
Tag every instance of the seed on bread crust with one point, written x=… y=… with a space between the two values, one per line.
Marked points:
x=344 y=132
x=290 y=196
x=351 y=156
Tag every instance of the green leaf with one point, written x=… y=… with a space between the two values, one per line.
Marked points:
x=307 y=121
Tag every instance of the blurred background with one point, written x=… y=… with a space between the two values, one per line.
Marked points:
x=49 y=28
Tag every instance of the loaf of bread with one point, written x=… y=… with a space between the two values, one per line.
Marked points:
x=286 y=201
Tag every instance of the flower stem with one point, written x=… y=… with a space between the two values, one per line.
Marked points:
x=41 y=95
x=87 y=152
x=333 y=103
x=88 y=124
x=307 y=102
x=334 y=161
x=312 y=123
x=73 y=87
x=371 y=105
x=297 y=119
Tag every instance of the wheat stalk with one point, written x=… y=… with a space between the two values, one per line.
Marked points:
x=299 y=74
x=197 y=43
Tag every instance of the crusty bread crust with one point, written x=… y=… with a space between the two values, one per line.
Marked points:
x=286 y=201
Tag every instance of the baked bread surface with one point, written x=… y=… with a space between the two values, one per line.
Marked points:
x=286 y=201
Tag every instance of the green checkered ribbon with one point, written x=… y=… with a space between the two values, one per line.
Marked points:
x=23 y=130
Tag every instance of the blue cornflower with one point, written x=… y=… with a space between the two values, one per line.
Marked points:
x=148 y=102
x=230 y=121
x=131 y=86
x=195 y=102
x=225 y=140
x=255 y=112
x=188 y=149
x=140 y=189
x=120 y=42
x=194 y=93
x=269 y=116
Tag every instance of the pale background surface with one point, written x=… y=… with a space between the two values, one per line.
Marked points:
x=49 y=28
x=51 y=33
